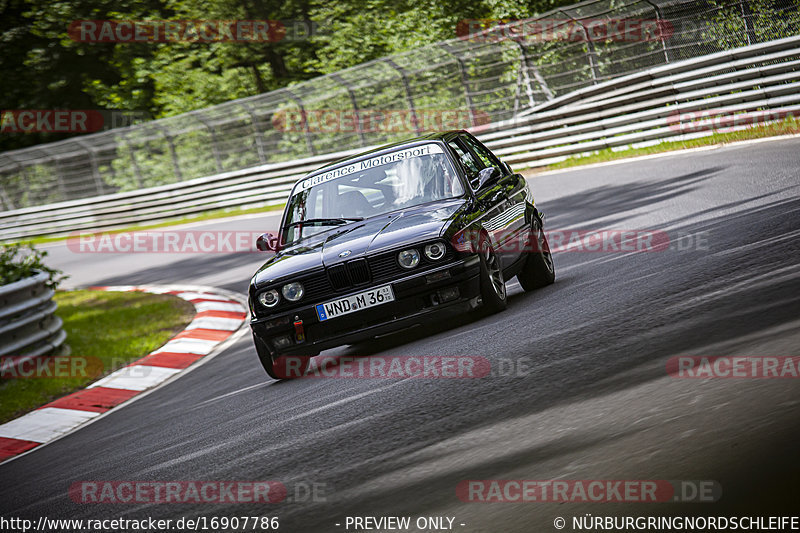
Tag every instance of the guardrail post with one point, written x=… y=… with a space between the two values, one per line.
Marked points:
x=352 y=95
x=464 y=82
x=409 y=98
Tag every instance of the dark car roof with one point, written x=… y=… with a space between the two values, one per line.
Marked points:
x=437 y=136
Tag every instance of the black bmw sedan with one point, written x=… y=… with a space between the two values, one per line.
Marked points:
x=384 y=240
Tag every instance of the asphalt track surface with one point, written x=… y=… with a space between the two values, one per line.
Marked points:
x=593 y=400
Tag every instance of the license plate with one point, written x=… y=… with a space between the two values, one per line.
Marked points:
x=356 y=302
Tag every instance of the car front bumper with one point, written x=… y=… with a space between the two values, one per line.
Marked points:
x=417 y=300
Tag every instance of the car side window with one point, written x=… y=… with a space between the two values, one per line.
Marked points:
x=484 y=156
x=466 y=158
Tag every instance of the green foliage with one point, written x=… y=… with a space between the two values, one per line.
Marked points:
x=768 y=19
x=19 y=261
x=44 y=68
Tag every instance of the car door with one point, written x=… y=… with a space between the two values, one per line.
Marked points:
x=503 y=201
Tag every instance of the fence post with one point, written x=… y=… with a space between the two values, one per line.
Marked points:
x=98 y=180
x=62 y=189
x=590 y=51
x=299 y=102
x=136 y=170
x=464 y=82
x=747 y=15
x=262 y=157
x=214 y=146
x=338 y=79
x=524 y=63
x=660 y=18
x=176 y=168
x=409 y=98
x=9 y=205
x=21 y=169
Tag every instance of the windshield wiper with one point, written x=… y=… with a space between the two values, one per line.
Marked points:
x=324 y=221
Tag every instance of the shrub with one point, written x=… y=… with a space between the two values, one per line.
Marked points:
x=19 y=261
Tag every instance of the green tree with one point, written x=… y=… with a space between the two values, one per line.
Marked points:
x=43 y=68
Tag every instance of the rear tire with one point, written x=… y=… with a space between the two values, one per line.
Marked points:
x=493 y=285
x=281 y=366
x=539 y=269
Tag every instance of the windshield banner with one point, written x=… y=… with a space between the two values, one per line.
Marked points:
x=392 y=157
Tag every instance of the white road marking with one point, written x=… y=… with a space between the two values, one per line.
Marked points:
x=210 y=322
x=45 y=424
x=188 y=345
x=218 y=306
x=136 y=377
x=121 y=288
x=196 y=295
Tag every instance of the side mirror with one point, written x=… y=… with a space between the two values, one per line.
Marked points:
x=267 y=242
x=487 y=176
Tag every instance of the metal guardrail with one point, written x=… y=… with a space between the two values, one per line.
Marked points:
x=28 y=325
x=644 y=107
x=756 y=78
x=487 y=78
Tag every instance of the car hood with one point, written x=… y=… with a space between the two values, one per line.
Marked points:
x=373 y=235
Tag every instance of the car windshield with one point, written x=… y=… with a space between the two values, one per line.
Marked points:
x=378 y=185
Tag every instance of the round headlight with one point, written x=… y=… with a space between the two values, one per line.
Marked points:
x=408 y=258
x=269 y=298
x=293 y=291
x=435 y=251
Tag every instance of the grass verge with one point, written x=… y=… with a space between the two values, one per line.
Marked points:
x=107 y=329
x=789 y=126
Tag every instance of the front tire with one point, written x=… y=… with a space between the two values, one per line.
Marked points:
x=493 y=285
x=281 y=366
x=539 y=269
